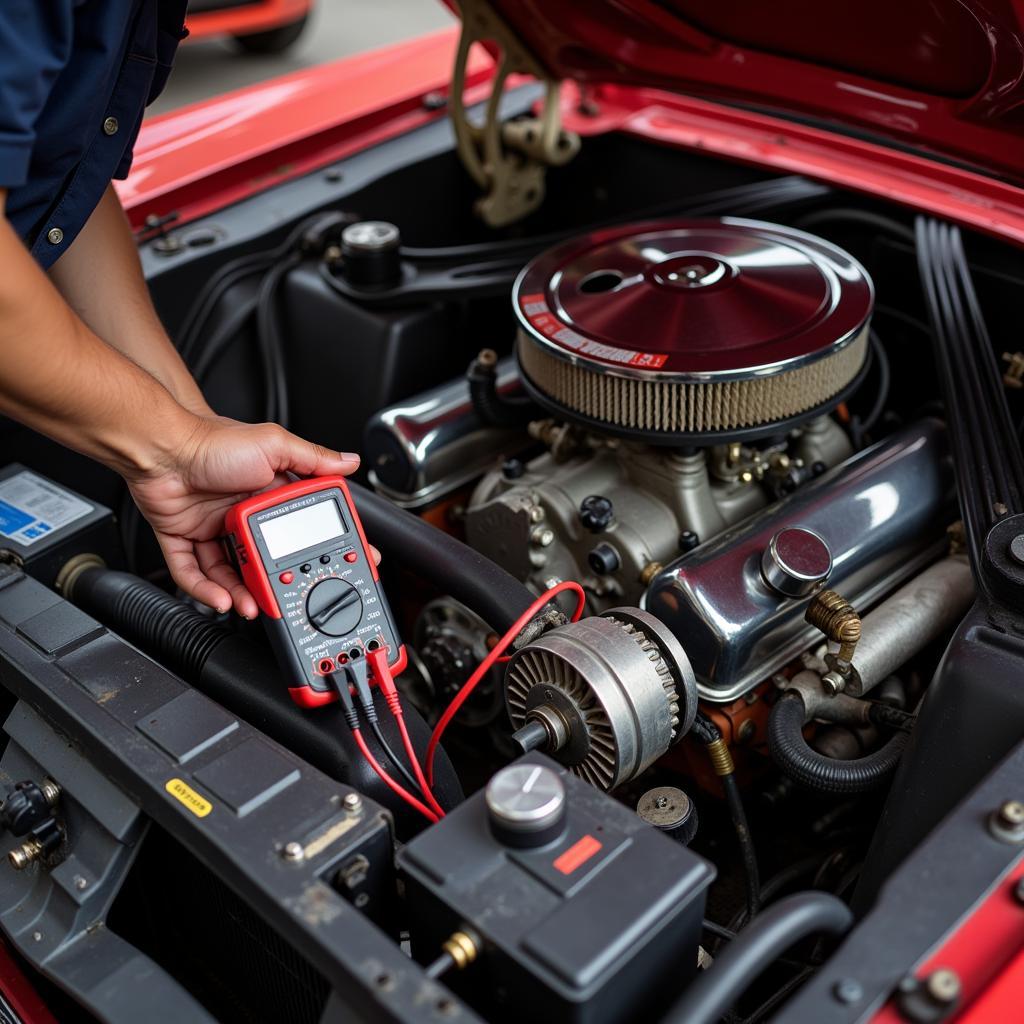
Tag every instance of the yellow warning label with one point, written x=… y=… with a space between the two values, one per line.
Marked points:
x=186 y=795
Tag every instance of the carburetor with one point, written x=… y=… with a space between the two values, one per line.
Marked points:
x=610 y=512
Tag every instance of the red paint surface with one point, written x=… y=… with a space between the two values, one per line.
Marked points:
x=208 y=155
x=254 y=17
x=987 y=953
x=19 y=992
x=943 y=77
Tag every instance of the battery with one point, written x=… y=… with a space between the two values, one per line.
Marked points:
x=584 y=912
x=43 y=525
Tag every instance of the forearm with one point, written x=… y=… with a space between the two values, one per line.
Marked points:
x=101 y=278
x=59 y=378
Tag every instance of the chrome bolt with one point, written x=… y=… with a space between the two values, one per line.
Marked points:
x=833 y=683
x=536 y=513
x=37 y=936
x=1011 y=814
x=848 y=991
x=293 y=851
x=51 y=791
x=943 y=986
x=543 y=536
x=81 y=882
x=353 y=803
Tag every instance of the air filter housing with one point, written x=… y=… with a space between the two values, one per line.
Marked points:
x=692 y=331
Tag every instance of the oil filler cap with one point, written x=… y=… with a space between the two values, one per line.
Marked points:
x=526 y=805
x=796 y=562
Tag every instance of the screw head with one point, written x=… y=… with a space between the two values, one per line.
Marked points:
x=943 y=986
x=293 y=851
x=1011 y=814
x=833 y=683
x=848 y=991
x=55 y=236
x=352 y=803
x=513 y=469
x=81 y=883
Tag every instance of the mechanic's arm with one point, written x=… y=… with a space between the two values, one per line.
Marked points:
x=100 y=276
x=184 y=470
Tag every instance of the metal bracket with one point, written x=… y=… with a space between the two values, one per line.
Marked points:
x=507 y=160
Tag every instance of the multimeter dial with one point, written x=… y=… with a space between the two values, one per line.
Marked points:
x=334 y=607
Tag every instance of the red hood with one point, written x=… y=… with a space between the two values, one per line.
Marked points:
x=941 y=76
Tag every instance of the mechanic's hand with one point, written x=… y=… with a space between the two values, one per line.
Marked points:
x=185 y=496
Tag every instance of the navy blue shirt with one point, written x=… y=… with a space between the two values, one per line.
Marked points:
x=75 y=77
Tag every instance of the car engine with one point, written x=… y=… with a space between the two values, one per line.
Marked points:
x=667 y=495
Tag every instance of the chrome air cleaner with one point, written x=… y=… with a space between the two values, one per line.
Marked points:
x=684 y=332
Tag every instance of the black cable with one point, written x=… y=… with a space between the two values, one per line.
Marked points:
x=862 y=427
x=779 y=995
x=393 y=758
x=760 y=944
x=863 y=218
x=709 y=734
x=718 y=930
x=269 y=337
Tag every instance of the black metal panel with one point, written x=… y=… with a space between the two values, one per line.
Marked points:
x=294 y=897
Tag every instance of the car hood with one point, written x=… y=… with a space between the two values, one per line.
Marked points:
x=945 y=77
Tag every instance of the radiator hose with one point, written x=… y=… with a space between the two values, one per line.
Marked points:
x=240 y=672
x=763 y=941
x=791 y=752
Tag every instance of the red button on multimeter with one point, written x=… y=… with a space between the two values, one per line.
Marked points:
x=304 y=557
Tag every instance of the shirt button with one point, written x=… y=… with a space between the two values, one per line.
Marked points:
x=110 y=126
x=55 y=236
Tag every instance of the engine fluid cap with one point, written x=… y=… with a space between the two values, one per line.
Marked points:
x=526 y=804
x=685 y=327
x=796 y=562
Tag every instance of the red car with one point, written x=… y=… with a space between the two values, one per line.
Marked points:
x=681 y=346
x=258 y=26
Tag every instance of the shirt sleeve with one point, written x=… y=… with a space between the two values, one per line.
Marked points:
x=35 y=44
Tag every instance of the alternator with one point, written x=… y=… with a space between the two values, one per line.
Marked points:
x=607 y=696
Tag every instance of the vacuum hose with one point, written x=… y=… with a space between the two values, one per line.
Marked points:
x=790 y=751
x=762 y=942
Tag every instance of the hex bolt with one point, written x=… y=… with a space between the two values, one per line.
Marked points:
x=51 y=791
x=353 y=803
x=833 y=683
x=293 y=851
x=537 y=513
x=848 y=991
x=543 y=536
x=943 y=986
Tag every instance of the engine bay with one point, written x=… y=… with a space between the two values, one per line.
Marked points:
x=684 y=485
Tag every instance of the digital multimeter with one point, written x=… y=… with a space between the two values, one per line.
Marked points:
x=304 y=558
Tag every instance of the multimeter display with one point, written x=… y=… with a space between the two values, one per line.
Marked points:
x=298 y=530
x=303 y=556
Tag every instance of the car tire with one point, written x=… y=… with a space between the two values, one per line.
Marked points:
x=274 y=40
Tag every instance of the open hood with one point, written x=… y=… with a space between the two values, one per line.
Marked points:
x=939 y=76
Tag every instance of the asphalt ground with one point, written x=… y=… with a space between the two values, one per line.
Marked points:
x=336 y=29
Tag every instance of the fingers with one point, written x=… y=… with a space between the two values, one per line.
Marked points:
x=213 y=562
x=376 y=555
x=179 y=553
x=291 y=453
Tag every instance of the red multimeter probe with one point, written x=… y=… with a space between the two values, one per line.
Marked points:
x=304 y=558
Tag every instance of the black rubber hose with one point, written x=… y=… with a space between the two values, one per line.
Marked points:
x=493 y=408
x=791 y=752
x=762 y=942
x=240 y=673
x=407 y=540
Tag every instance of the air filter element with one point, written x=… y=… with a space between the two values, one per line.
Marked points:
x=692 y=331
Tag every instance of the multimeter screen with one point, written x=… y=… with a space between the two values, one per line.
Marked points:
x=303 y=529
